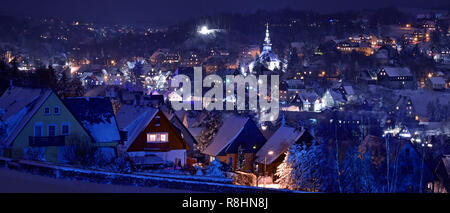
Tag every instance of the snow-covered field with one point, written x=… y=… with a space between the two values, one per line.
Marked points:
x=12 y=181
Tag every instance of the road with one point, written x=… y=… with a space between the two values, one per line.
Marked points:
x=12 y=181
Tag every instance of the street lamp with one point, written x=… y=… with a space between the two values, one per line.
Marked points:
x=270 y=153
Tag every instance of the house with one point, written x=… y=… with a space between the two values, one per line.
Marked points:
x=441 y=184
x=186 y=134
x=151 y=138
x=36 y=124
x=236 y=143
x=349 y=93
x=273 y=152
x=96 y=115
x=436 y=83
x=395 y=77
x=333 y=98
x=308 y=101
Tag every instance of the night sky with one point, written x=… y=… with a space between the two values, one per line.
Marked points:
x=164 y=12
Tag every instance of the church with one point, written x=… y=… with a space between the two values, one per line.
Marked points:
x=267 y=60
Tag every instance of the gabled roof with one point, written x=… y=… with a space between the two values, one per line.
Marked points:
x=308 y=96
x=134 y=119
x=279 y=143
x=349 y=90
x=17 y=107
x=230 y=129
x=446 y=161
x=397 y=71
x=336 y=95
x=97 y=117
x=437 y=80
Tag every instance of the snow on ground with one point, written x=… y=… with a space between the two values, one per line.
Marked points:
x=187 y=177
x=14 y=181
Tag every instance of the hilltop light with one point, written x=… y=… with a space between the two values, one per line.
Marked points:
x=205 y=31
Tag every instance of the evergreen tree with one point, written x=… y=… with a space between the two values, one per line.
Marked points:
x=76 y=88
x=46 y=77
x=215 y=169
x=211 y=125
x=358 y=172
x=63 y=85
x=307 y=168
x=350 y=171
x=241 y=159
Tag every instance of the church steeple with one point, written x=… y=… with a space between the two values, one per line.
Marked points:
x=267 y=46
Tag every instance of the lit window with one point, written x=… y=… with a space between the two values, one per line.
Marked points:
x=164 y=137
x=157 y=137
x=151 y=137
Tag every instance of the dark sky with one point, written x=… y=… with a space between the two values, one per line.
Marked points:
x=163 y=12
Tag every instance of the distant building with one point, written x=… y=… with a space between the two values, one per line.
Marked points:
x=436 y=83
x=395 y=77
x=267 y=58
x=333 y=98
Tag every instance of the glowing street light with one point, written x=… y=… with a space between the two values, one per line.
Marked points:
x=270 y=153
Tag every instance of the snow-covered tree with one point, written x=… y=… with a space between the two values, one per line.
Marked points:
x=211 y=125
x=307 y=168
x=357 y=172
x=284 y=171
x=241 y=158
x=76 y=88
x=215 y=169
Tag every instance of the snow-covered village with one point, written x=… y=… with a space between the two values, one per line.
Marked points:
x=295 y=97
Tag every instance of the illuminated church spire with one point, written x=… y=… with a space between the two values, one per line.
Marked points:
x=267 y=46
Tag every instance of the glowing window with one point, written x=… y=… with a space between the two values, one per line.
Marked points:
x=159 y=137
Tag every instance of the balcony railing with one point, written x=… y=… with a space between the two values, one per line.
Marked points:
x=47 y=141
x=155 y=146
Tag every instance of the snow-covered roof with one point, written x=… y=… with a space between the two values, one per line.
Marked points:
x=97 y=117
x=147 y=160
x=279 y=143
x=437 y=80
x=446 y=161
x=17 y=106
x=230 y=129
x=336 y=95
x=349 y=90
x=308 y=96
x=397 y=71
x=268 y=56
x=134 y=119
x=195 y=131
